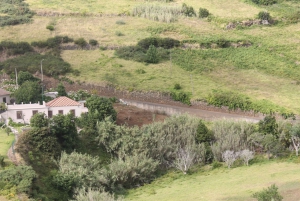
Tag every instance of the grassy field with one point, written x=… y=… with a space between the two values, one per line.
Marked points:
x=268 y=69
x=223 y=184
x=5 y=142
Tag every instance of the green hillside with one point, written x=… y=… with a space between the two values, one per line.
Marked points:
x=259 y=61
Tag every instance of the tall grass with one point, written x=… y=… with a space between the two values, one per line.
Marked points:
x=158 y=13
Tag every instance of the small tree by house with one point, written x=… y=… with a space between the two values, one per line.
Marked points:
x=61 y=90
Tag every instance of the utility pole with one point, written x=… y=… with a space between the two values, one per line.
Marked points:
x=42 y=80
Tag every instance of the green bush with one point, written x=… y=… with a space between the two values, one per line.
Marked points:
x=152 y=56
x=264 y=15
x=203 y=13
x=269 y=194
x=181 y=96
x=50 y=27
x=188 y=10
x=166 y=43
x=81 y=42
x=54 y=42
x=93 y=42
x=264 y=2
x=13 y=49
x=135 y=53
x=31 y=62
x=177 y=86
x=2 y=163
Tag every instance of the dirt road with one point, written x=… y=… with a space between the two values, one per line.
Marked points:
x=172 y=109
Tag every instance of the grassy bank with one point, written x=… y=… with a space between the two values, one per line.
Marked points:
x=5 y=143
x=222 y=184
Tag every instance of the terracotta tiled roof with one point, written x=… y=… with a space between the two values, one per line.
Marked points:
x=3 y=92
x=62 y=101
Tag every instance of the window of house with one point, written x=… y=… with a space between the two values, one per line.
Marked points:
x=60 y=112
x=72 y=112
x=34 y=112
x=4 y=100
x=50 y=114
x=19 y=115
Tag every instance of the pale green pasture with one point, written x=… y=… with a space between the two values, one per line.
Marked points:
x=5 y=142
x=222 y=184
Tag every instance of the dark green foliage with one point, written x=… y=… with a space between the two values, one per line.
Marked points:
x=93 y=42
x=14 y=12
x=166 y=43
x=135 y=53
x=2 y=163
x=54 y=42
x=28 y=92
x=26 y=76
x=188 y=10
x=177 y=86
x=38 y=144
x=269 y=194
x=81 y=42
x=204 y=135
x=18 y=176
x=152 y=56
x=31 y=62
x=50 y=27
x=268 y=126
x=13 y=49
x=64 y=128
x=181 y=96
x=61 y=90
x=264 y=15
x=264 y=2
x=235 y=100
x=203 y=13
x=39 y=120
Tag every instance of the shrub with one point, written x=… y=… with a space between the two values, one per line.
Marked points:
x=135 y=53
x=177 y=86
x=81 y=42
x=12 y=48
x=271 y=193
x=188 y=10
x=166 y=43
x=93 y=42
x=2 y=163
x=152 y=56
x=181 y=96
x=140 y=71
x=203 y=13
x=264 y=2
x=50 y=27
x=264 y=15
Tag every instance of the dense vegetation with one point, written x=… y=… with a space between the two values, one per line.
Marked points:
x=14 y=12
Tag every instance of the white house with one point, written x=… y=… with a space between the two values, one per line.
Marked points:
x=4 y=96
x=62 y=105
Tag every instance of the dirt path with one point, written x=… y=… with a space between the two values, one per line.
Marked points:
x=173 y=109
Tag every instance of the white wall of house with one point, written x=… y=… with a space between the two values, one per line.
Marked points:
x=5 y=99
x=66 y=109
x=22 y=113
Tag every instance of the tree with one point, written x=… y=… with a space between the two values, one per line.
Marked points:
x=64 y=128
x=268 y=126
x=204 y=135
x=295 y=137
x=28 y=92
x=246 y=155
x=61 y=90
x=39 y=120
x=229 y=157
x=152 y=55
x=26 y=76
x=269 y=194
